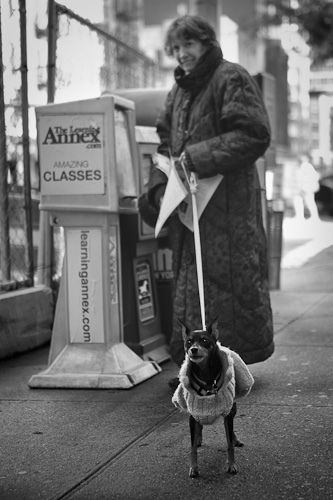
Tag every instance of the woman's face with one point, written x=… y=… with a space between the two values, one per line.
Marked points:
x=187 y=52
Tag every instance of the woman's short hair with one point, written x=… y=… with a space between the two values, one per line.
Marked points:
x=188 y=28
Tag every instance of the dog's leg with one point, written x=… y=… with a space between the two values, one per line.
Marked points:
x=196 y=437
x=229 y=431
x=200 y=436
x=237 y=442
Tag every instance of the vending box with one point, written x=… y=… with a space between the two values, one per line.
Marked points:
x=89 y=177
x=143 y=328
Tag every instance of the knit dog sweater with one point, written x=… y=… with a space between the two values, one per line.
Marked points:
x=237 y=383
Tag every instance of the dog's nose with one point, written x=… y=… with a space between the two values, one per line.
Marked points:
x=194 y=350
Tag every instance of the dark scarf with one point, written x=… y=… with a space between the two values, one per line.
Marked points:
x=202 y=72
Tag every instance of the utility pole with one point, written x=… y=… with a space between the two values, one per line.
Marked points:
x=51 y=50
x=26 y=141
x=45 y=247
x=4 y=221
x=211 y=10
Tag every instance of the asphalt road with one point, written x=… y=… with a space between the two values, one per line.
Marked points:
x=133 y=444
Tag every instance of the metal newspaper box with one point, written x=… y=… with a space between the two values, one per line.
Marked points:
x=89 y=176
x=142 y=328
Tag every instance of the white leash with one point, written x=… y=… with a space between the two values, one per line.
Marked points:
x=193 y=184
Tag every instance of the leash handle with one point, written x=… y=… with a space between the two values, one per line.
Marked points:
x=193 y=184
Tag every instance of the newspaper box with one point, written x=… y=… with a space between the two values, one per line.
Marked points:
x=89 y=176
x=144 y=332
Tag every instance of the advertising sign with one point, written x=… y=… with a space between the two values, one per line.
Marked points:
x=71 y=149
x=163 y=264
x=144 y=291
x=85 y=293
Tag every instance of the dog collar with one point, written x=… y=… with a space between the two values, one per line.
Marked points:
x=203 y=389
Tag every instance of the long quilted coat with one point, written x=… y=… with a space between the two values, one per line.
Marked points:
x=217 y=115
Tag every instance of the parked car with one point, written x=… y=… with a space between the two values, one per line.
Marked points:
x=324 y=197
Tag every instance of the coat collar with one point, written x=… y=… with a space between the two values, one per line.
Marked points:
x=225 y=376
x=202 y=72
x=204 y=389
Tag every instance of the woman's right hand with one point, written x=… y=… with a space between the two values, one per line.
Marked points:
x=180 y=170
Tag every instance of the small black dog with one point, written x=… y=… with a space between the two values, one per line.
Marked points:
x=210 y=378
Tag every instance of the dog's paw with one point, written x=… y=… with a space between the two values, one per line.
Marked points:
x=238 y=443
x=232 y=469
x=193 y=472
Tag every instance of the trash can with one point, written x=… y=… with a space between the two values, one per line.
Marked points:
x=275 y=212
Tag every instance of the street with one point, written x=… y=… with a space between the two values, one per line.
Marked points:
x=133 y=444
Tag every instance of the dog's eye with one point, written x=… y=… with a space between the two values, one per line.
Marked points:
x=188 y=342
x=204 y=342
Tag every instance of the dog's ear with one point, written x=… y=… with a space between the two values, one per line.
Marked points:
x=212 y=328
x=185 y=329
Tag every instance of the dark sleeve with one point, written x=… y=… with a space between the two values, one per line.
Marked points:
x=244 y=133
x=164 y=123
x=158 y=180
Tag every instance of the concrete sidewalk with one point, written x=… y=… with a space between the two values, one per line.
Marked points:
x=128 y=445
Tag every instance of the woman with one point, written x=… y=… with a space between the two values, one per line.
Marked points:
x=215 y=118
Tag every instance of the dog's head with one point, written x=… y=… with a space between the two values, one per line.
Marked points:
x=199 y=345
